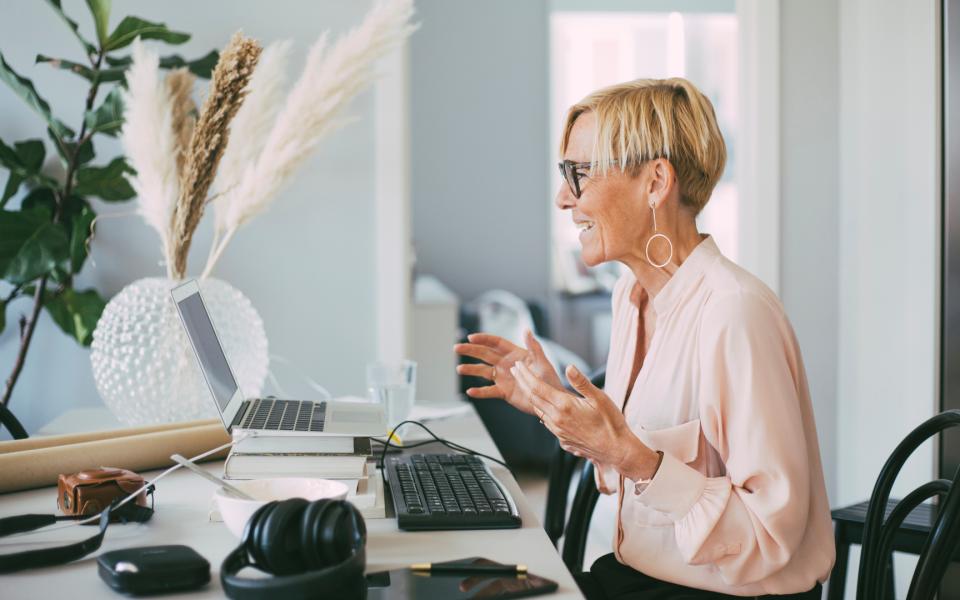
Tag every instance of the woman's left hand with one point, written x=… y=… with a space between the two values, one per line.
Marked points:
x=589 y=425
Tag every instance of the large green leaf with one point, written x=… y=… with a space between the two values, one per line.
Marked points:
x=78 y=238
x=106 y=182
x=130 y=28
x=108 y=117
x=24 y=161
x=31 y=153
x=201 y=67
x=31 y=246
x=100 y=9
x=55 y=5
x=76 y=312
x=41 y=201
x=67 y=65
x=23 y=87
x=14 y=182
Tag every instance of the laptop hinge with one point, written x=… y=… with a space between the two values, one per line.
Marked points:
x=241 y=412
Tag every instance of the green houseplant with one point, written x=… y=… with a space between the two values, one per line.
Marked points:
x=46 y=216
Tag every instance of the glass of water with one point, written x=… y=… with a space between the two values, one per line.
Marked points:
x=393 y=385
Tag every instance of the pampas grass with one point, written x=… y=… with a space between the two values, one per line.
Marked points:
x=180 y=87
x=330 y=79
x=251 y=127
x=210 y=136
x=150 y=143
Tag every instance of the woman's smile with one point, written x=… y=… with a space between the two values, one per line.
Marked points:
x=585 y=227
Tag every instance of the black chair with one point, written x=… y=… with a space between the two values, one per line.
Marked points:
x=578 y=525
x=563 y=467
x=13 y=425
x=882 y=527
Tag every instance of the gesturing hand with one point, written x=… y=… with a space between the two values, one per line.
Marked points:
x=499 y=356
x=589 y=425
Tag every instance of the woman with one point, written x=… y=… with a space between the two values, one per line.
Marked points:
x=704 y=429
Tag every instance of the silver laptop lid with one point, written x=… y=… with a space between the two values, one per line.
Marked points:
x=206 y=345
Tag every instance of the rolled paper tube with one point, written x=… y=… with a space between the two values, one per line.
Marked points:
x=49 y=441
x=137 y=451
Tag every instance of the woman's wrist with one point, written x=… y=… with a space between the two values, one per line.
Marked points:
x=638 y=461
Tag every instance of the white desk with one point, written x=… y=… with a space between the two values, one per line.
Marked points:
x=181 y=518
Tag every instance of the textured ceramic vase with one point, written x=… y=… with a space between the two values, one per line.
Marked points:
x=142 y=362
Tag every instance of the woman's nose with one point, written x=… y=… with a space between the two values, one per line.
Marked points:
x=564 y=199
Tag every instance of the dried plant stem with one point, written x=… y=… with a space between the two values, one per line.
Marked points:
x=180 y=86
x=210 y=137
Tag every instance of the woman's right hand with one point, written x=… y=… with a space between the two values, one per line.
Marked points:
x=499 y=356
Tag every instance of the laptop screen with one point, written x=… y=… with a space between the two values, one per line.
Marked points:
x=207 y=346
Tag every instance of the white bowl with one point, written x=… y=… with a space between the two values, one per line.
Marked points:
x=237 y=511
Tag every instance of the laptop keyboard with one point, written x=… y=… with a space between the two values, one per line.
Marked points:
x=283 y=415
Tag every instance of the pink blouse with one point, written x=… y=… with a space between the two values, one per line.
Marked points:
x=738 y=505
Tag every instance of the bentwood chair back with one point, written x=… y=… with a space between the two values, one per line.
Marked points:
x=563 y=467
x=879 y=533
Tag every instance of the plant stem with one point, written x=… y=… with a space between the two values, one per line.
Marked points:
x=215 y=256
x=61 y=197
x=25 y=338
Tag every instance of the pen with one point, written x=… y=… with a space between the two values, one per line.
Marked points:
x=468 y=568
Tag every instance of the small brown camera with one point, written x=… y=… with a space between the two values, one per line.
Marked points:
x=91 y=491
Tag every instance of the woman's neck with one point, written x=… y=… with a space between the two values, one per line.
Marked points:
x=685 y=238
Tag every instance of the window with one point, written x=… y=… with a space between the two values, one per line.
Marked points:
x=590 y=50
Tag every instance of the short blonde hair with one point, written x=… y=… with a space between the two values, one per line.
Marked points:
x=646 y=119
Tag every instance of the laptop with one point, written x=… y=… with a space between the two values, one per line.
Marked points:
x=265 y=416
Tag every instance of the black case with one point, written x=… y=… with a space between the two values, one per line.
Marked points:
x=153 y=569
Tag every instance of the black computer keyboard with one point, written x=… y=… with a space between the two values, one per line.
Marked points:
x=448 y=491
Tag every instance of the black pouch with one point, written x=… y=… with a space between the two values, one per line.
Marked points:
x=153 y=569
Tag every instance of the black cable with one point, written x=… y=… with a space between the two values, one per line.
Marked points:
x=452 y=445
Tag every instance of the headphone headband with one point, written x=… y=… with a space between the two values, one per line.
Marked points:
x=312 y=537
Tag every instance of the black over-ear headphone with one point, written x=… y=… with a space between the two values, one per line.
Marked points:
x=314 y=549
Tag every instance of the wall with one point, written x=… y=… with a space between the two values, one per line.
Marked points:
x=889 y=247
x=809 y=186
x=889 y=242
x=307 y=264
x=479 y=131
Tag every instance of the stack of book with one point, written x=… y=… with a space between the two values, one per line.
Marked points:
x=343 y=458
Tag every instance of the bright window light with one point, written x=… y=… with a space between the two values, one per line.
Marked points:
x=589 y=50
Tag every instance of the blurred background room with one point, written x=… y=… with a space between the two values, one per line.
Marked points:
x=428 y=214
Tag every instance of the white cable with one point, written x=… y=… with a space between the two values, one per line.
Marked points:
x=133 y=495
x=310 y=381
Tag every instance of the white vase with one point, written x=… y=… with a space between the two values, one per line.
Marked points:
x=142 y=362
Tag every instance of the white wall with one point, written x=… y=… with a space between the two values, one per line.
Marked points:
x=479 y=118
x=889 y=243
x=307 y=265
x=889 y=235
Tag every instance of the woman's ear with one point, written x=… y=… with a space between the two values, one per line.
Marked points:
x=662 y=180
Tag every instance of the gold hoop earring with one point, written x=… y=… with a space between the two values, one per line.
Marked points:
x=655 y=236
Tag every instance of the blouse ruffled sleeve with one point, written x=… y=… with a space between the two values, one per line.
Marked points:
x=750 y=521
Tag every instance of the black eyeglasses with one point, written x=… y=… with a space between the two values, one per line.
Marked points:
x=570 y=171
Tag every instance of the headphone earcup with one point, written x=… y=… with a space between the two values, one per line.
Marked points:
x=276 y=540
x=343 y=533
x=332 y=532
x=311 y=548
x=251 y=532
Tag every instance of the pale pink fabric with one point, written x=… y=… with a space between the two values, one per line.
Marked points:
x=738 y=504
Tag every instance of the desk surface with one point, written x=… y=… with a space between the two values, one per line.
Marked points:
x=181 y=518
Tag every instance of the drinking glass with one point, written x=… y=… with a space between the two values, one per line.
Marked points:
x=393 y=386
